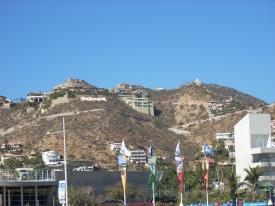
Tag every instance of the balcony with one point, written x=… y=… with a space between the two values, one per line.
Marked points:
x=263 y=150
x=263 y=164
x=27 y=176
x=267 y=178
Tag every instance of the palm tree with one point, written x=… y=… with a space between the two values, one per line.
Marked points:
x=232 y=182
x=252 y=177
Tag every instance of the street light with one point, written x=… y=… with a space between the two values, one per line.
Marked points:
x=65 y=159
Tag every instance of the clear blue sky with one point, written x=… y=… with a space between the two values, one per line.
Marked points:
x=154 y=43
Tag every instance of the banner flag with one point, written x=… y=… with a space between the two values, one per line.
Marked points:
x=179 y=163
x=152 y=161
x=124 y=150
x=207 y=150
x=122 y=162
x=123 y=179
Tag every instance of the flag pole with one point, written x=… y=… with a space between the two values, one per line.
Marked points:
x=206 y=182
x=181 y=204
x=154 y=199
x=207 y=197
x=124 y=191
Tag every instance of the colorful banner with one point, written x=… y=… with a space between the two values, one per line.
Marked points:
x=179 y=163
x=122 y=162
x=152 y=161
x=123 y=179
x=208 y=152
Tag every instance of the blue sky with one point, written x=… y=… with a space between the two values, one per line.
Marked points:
x=154 y=43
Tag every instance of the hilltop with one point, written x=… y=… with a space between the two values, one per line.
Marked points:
x=191 y=114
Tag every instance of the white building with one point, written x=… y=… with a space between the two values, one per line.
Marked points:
x=253 y=146
x=224 y=136
x=138 y=156
x=52 y=158
x=140 y=104
x=36 y=97
x=115 y=147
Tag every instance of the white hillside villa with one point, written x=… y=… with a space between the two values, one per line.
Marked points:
x=253 y=146
x=52 y=158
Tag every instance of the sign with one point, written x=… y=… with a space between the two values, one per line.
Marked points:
x=61 y=192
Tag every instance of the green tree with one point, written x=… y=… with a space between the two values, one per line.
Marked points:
x=232 y=183
x=13 y=163
x=252 y=178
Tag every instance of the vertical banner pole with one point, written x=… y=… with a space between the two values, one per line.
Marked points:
x=154 y=199
x=207 y=197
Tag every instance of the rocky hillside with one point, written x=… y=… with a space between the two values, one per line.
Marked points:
x=187 y=114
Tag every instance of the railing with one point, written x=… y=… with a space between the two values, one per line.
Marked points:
x=26 y=176
x=267 y=178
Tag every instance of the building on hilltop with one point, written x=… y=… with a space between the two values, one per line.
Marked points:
x=197 y=82
x=76 y=85
x=253 y=146
x=5 y=103
x=36 y=97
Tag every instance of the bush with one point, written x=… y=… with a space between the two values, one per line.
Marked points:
x=81 y=196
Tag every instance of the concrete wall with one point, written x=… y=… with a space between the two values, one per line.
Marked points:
x=60 y=100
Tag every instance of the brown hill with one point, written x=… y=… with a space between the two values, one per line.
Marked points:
x=92 y=126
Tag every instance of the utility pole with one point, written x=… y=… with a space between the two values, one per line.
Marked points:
x=65 y=164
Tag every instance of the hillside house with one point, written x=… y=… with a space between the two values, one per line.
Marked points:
x=12 y=147
x=5 y=103
x=215 y=105
x=115 y=147
x=52 y=158
x=224 y=136
x=36 y=97
x=228 y=140
x=8 y=156
x=138 y=156
x=141 y=104
x=159 y=89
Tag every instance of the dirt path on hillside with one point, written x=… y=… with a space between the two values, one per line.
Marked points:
x=49 y=117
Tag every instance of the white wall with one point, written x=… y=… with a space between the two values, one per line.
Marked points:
x=252 y=131
x=242 y=146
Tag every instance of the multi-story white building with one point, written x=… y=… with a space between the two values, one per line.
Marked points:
x=253 y=146
x=138 y=156
x=141 y=104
